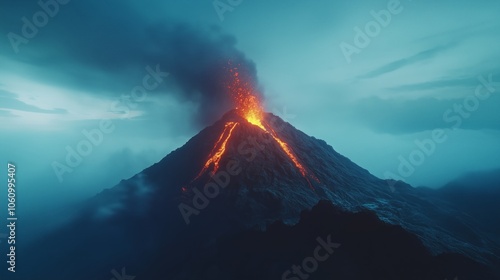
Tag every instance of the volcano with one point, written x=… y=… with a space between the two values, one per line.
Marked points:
x=234 y=184
x=251 y=196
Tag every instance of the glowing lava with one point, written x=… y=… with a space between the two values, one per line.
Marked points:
x=249 y=107
x=288 y=151
x=216 y=153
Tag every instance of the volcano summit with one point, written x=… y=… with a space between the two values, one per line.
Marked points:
x=250 y=141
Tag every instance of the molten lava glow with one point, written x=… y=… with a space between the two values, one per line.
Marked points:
x=246 y=102
x=219 y=148
x=249 y=107
x=288 y=151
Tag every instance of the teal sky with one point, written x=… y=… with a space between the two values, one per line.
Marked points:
x=371 y=107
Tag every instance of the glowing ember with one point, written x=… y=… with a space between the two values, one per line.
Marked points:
x=246 y=102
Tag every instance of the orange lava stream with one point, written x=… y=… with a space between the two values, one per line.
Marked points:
x=248 y=104
x=249 y=107
x=216 y=154
x=288 y=151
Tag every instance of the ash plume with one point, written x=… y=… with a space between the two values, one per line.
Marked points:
x=199 y=62
x=123 y=43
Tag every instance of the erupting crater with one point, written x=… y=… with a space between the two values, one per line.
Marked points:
x=249 y=107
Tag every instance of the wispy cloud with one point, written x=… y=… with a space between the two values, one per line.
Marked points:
x=10 y=101
x=463 y=82
x=398 y=64
x=412 y=116
x=5 y=113
x=438 y=84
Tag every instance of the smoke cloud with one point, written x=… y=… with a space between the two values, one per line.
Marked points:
x=199 y=62
x=89 y=48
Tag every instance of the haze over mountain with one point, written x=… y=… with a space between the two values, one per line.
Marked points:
x=477 y=194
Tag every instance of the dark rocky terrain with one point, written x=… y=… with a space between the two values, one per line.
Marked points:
x=264 y=219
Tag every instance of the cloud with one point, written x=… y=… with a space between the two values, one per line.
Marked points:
x=464 y=82
x=9 y=100
x=94 y=50
x=5 y=113
x=490 y=181
x=412 y=116
x=398 y=64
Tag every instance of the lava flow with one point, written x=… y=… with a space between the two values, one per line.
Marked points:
x=216 y=154
x=249 y=107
